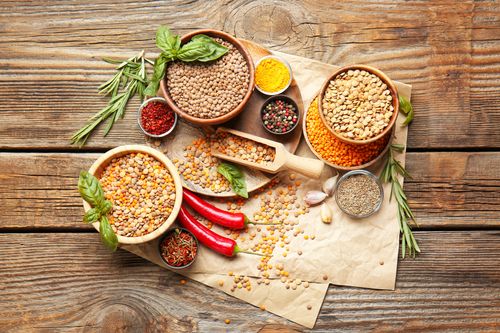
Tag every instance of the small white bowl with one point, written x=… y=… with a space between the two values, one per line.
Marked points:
x=289 y=71
x=139 y=114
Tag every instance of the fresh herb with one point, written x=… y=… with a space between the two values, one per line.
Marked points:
x=200 y=48
x=130 y=79
x=406 y=107
x=91 y=191
x=235 y=177
x=390 y=173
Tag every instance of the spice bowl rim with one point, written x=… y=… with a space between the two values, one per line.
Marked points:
x=340 y=167
x=385 y=79
x=275 y=97
x=99 y=165
x=360 y=172
x=139 y=116
x=251 y=84
x=165 y=235
x=287 y=65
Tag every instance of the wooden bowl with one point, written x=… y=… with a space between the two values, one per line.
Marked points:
x=97 y=168
x=251 y=70
x=340 y=167
x=385 y=79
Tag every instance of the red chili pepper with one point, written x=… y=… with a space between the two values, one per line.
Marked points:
x=207 y=237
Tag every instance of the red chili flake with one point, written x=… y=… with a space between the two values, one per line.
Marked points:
x=157 y=118
x=178 y=248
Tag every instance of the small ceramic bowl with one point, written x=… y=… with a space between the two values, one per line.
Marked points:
x=168 y=233
x=287 y=65
x=286 y=99
x=139 y=115
x=390 y=86
x=360 y=172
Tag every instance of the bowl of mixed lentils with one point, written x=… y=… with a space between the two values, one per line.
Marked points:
x=145 y=189
x=358 y=104
x=214 y=92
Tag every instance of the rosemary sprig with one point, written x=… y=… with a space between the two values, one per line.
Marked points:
x=131 y=78
x=390 y=173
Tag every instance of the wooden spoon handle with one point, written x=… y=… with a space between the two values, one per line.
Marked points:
x=309 y=167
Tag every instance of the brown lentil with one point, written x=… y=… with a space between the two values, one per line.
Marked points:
x=358 y=195
x=209 y=90
x=357 y=105
x=142 y=192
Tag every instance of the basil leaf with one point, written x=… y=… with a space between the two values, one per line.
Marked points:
x=108 y=237
x=217 y=50
x=406 y=107
x=92 y=215
x=166 y=41
x=105 y=207
x=90 y=189
x=235 y=177
x=193 y=51
x=158 y=74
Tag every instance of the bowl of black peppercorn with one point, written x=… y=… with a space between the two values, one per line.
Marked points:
x=279 y=115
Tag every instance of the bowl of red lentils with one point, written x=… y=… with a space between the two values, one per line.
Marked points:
x=358 y=104
x=214 y=92
x=156 y=119
x=145 y=189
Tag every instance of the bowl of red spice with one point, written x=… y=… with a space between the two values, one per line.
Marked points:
x=178 y=248
x=156 y=118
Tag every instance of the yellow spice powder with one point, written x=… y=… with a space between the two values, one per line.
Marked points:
x=271 y=75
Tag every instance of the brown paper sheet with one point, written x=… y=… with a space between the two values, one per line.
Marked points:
x=361 y=253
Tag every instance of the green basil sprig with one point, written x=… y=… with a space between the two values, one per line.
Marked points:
x=406 y=107
x=91 y=191
x=235 y=177
x=200 y=48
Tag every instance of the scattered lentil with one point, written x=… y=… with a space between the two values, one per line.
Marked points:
x=212 y=89
x=357 y=105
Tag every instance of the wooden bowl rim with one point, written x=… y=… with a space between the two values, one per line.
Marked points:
x=384 y=78
x=251 y=85
x=104 y=160
x=339 y=167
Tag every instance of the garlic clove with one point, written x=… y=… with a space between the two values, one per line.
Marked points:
x=326 y=214
x=329 y=185
x=314 y=197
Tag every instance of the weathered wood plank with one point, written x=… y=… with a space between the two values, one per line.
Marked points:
x=448 y=189
x=70 y=282
x=448 y=51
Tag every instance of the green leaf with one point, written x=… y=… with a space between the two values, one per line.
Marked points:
x=406 y=107
x=166 y=41
x=217 y=50
x=235 y=177
x=158 y=74
x=398 y=147
x=193 y=51
x=92 y=215
x=106 y=207
x=108 y=237
x=90 y=189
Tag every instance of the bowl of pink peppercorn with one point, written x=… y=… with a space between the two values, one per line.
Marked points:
x=279 y=115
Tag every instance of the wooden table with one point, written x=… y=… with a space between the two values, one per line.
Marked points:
x=54 y=272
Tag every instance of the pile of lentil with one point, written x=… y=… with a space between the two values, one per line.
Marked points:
x=142 y=192
x=357 y=105
x=358 y=195
x=249 y=150
x=199 y=167
x=209 y=90
x=335 y=151
x=280 y=116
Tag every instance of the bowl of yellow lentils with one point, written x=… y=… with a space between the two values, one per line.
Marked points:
x=145 y=189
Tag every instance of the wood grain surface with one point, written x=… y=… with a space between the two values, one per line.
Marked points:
x=70 y=282
x=55 y=276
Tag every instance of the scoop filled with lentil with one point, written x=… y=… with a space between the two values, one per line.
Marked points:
x=209 y=90
x=245 y=149
x=142 y=191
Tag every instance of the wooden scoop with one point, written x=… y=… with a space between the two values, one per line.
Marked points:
x=283 y=159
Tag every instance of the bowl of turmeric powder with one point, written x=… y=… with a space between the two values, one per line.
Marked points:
x=273 y=75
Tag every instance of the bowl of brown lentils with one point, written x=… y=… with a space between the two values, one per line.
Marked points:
x=144 y=188
x=214 y=92
x=358 y=104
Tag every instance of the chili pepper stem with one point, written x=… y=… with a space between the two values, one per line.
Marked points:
x=238 y=250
